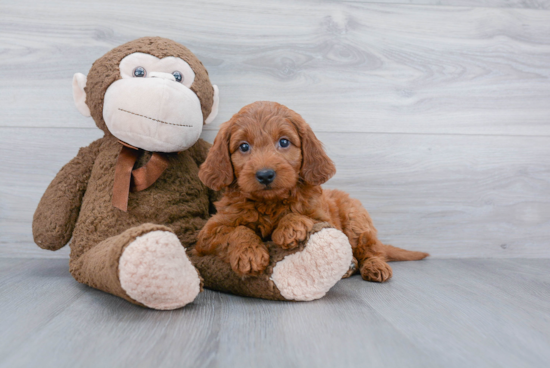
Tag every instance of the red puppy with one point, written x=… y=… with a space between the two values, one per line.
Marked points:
x=271 y=166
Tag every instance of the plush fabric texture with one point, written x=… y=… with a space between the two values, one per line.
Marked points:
x=79 y=96
x=105 y=71
x=55 y=217
x=309 y=274
x=99 y=266
x=155 y=67
x=219 y=276
x=215 y=107
x=155 y=271
x=159 y=115
x=78 y=203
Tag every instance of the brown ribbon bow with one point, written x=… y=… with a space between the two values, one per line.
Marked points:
x=127 y=179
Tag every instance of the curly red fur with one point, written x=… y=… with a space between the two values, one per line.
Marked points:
x=286 y=209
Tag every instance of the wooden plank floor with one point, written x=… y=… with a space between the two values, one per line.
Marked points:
x=434 y=313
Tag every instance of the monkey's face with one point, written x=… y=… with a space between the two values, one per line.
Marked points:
x=152 y=106
x=151 y=93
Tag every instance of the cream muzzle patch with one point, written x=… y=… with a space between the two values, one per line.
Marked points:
x=149 y=108
x=160 y=121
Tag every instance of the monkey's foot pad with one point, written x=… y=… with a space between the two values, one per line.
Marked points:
x=309 y=274
x=155 y=271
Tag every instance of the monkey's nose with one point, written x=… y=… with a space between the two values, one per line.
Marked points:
x=265 y=176
x=162 y=75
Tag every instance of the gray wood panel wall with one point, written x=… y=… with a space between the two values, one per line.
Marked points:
x=437 y=113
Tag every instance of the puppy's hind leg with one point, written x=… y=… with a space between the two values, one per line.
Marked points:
x=373 y=255
x=357 y=224
x=372 y=260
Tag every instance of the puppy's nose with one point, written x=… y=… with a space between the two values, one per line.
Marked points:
x=265 y=176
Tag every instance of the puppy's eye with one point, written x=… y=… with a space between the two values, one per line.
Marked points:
x=283 y=142
x=244 y=147
x=139 y=72
x=178 y=76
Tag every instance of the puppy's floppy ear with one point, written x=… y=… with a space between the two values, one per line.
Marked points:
x=317 y=167
x=216 y=172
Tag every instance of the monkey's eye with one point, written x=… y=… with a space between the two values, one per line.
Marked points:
x=139 y=72
x=284 y=143
x=178 y=76
x=244 y=147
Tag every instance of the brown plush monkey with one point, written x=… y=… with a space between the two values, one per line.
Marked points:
x=131 y=199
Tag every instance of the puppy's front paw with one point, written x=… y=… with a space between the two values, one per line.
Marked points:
x=249 y=260
x=375 y=269
x=289 y=234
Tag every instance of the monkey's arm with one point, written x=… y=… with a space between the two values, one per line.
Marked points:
x=55 y=217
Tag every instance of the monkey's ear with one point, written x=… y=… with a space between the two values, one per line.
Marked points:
x=216 y=172
x=79 y=95
x=215 y=104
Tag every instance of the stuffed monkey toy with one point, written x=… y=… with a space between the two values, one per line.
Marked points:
x=131 y=203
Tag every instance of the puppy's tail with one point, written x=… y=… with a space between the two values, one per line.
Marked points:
x=394 y=254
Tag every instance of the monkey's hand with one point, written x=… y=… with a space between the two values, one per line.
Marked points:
x=292 y=230
x=54 y=219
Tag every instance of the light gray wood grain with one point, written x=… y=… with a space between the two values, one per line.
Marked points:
x=450 y=195
x=529 y=4
x=433 y=313
x=437 y=116
x=346 y=66
x=469 y=310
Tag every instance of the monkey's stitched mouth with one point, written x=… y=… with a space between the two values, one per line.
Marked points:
x=160 y=121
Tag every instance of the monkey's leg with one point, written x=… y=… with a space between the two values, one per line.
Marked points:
x=304 y=273
x=146 y=265
x=310 y=273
